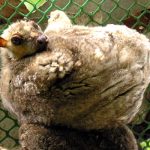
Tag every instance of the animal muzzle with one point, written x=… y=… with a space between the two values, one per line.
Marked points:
x=42 y=42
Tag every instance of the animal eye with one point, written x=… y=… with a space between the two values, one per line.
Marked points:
x=17 y=40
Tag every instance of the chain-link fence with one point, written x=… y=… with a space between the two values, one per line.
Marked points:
x=133 y=13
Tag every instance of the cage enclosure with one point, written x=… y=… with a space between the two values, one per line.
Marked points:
x=133 y=13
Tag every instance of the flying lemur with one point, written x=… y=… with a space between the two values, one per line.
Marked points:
x=76 y=78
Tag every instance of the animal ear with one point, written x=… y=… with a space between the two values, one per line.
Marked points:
x=3 y=42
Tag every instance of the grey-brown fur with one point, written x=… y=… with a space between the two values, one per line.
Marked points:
x=89 y=78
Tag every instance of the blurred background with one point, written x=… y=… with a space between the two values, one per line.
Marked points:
x=133 y=13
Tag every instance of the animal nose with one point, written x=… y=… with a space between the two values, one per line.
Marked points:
x=42 y=39
x=42 y=42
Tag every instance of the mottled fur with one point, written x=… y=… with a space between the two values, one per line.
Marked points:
x=89 y=78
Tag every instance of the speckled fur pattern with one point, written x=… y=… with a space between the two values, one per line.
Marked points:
x=89 y=78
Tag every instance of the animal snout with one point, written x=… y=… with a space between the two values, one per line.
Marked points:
x=42 y=42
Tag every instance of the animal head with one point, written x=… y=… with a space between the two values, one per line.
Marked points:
x=23 y=38
x=58 y=20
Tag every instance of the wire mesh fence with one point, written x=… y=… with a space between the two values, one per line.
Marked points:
x=133 y=13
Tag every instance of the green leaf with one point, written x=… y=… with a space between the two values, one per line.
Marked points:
x=31 y=4
x=145 y=144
